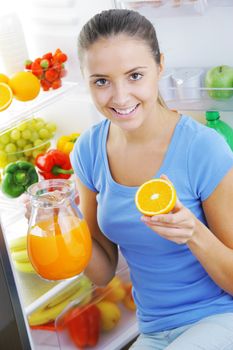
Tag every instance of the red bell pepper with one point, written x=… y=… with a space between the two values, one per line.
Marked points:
x=54 y=164
x=45 y=327
x=83 y=325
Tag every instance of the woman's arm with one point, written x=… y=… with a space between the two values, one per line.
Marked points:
x=212 y=246
x=102 y=266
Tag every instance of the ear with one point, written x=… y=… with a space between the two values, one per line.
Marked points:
x=161 y=65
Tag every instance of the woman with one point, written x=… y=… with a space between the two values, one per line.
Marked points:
x=181 y=262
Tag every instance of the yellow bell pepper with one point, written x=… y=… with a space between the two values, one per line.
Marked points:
x=66 y=143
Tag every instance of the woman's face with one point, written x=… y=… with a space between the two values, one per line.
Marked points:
x=122 y=76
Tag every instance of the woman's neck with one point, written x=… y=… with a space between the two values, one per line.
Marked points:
x=153 y=129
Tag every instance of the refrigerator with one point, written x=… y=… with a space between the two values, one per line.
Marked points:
x=194 y=36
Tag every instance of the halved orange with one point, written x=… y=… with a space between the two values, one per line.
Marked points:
x=156 y=196
x=6 y=96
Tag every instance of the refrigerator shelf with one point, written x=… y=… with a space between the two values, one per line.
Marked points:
x=19 y=110
x=196 y=99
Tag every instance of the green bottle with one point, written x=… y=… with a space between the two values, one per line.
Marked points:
x=214 y=122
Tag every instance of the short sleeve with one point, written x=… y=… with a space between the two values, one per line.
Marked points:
x=82 y=160
x=209 y=160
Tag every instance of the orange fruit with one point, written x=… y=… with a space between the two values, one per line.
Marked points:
x=3 y=78
x=25 y=86
x=156 y=196
x=6 y=96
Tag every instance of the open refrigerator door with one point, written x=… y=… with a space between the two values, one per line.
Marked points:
x=43 y=302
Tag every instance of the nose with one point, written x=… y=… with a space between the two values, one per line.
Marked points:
x=120 y=94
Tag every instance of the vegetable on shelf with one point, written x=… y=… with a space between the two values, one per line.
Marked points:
x=18 y=176
x=83 y=325
x=54 y=164
x=66 y=143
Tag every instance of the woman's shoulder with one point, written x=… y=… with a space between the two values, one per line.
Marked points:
x=94 y=132
x=201 y=133
x=92 y=137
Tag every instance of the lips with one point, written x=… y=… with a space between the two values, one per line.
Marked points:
x=125 y=111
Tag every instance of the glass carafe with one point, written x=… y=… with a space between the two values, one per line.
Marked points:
x=59 y=241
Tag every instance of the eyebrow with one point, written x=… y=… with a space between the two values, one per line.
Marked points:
x=106 y=76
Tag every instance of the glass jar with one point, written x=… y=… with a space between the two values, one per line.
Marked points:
x=59 y=241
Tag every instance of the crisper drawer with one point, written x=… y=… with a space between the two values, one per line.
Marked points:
x=101 y=318
x=106 y=321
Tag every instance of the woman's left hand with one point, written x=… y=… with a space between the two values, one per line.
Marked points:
x=177 y=226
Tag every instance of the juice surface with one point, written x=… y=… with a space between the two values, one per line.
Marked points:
x=59 y=249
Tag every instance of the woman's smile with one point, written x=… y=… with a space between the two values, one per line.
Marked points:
x=126 y=112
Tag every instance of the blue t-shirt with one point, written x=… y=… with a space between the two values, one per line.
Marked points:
x=170 y=286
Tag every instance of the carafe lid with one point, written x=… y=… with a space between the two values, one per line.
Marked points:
x=212 y=115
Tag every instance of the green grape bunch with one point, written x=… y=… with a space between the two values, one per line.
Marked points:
x=26 y=140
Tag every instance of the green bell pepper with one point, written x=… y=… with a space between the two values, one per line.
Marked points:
x=18 y=176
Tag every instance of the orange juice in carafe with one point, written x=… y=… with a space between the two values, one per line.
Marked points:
x=63 y=254
x=59 y=241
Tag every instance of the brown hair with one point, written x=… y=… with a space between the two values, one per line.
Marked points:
x=119 y=21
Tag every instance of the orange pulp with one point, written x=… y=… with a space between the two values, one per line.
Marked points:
x=59 y=249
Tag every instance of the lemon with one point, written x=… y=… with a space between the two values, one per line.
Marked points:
x=6 y=96
x=25 y=86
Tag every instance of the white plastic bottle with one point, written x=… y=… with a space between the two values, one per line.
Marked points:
x=13 y=48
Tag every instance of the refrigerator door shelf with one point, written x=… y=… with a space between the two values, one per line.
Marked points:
x=164 y=8
x=196 y=99
x=184 y=89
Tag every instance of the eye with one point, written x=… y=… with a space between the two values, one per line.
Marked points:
x=136 y=76
x=101 y=82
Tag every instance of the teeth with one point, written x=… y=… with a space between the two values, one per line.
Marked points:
x=125 y=111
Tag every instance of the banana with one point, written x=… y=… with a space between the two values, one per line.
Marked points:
x=20 y=256
x=25 y=267
x=48 y=313
x=19 y=243
x=82 y=283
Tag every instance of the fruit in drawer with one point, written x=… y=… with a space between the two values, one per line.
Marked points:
x=110 y=314
x=220 y=77
x=114 y=291
x=128 y=299
x=25 y=86
x=49 y=312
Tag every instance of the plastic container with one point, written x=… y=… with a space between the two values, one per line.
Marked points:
x=108 y=317
x=187 y=82
x=25 y=140
x=166 y=86
x=13 y=49
x=214 y=122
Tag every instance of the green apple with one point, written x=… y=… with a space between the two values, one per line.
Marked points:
x=220 y=77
